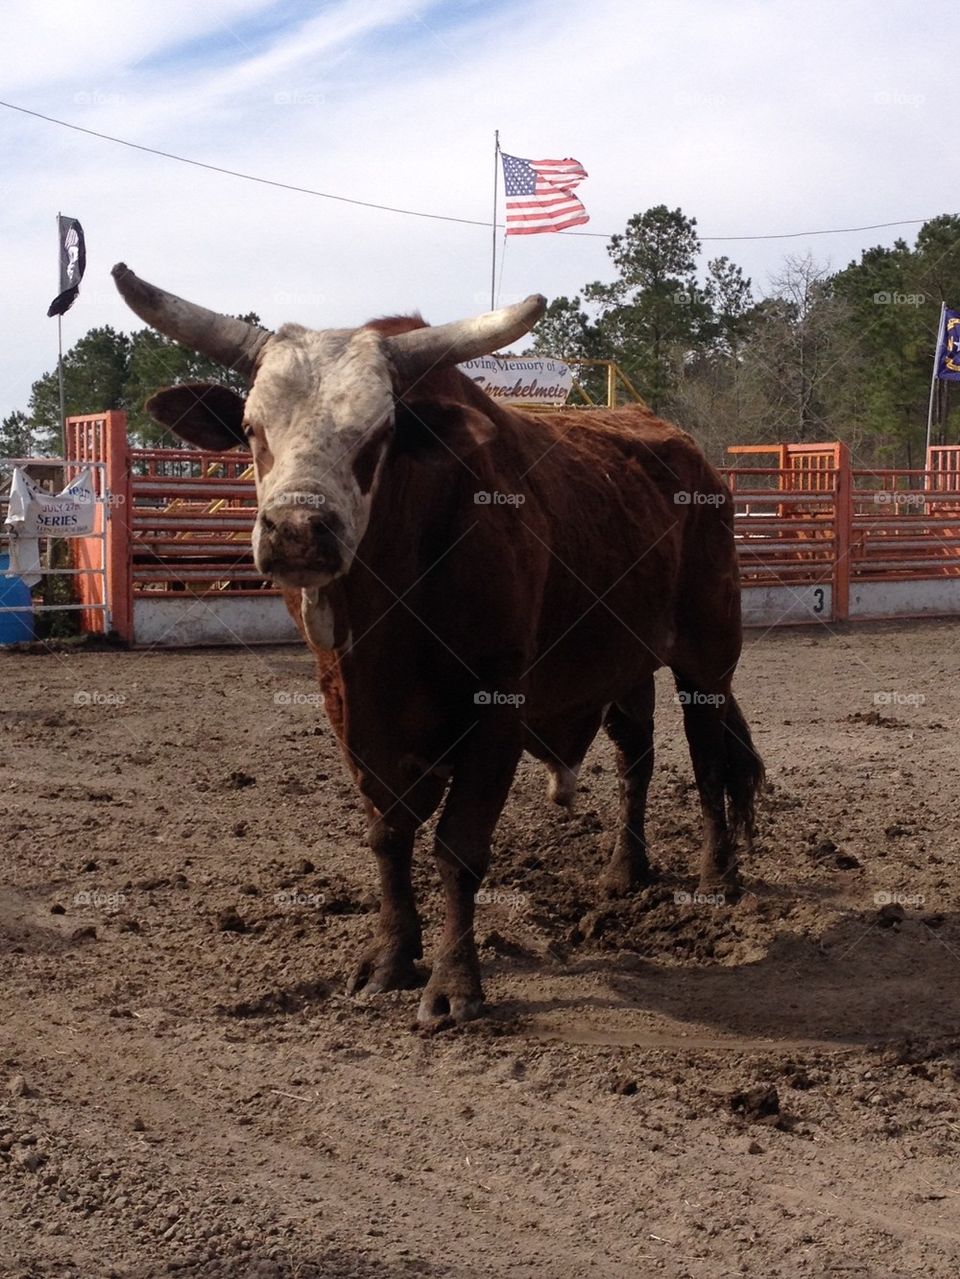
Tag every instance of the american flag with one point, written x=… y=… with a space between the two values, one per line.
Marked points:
x=540 y=194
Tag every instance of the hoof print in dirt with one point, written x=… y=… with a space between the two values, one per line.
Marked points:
x=506 y=946
x=761 y=1105
x=624 y=1087
x=556 y=953
x=17 y=1087
x=798 y=1077
x=275 y=1003
x=830 y=856
x=344 y=903
x=598 y=923
x=847 y=861
x=231 y=921
x=237 y=780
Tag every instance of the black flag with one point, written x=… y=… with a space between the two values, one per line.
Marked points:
x=73 y=260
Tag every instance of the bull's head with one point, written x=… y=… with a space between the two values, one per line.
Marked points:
x=320 y=417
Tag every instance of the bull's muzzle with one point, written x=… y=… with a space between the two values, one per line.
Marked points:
x=299 y=542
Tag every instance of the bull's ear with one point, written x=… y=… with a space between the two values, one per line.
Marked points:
x=206 y=414
x=438 y=430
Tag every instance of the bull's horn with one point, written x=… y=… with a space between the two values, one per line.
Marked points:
x=229 y=341
x=446 y=344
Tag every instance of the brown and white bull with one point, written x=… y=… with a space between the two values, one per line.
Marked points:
x=476 y=582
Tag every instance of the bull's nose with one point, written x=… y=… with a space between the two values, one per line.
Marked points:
x=300 y=537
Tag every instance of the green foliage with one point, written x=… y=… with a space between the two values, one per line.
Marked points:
x=94 y=371
x=16 y=435
x=57 y=588
x=893 y=296
x=653 y=311
x=824 y=356
x=730 y=309
x=109 y=370
x=567 y=333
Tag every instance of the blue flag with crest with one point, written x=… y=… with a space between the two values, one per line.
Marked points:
x=948 y=357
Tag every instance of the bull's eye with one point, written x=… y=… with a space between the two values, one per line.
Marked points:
x=248 y=432
x=368 y=456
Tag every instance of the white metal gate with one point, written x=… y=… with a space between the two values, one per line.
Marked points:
x=85 y=561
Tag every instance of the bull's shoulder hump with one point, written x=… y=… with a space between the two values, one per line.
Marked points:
x=632 y=430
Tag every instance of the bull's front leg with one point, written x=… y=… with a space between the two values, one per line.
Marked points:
x=387 y=963
x=482 y=773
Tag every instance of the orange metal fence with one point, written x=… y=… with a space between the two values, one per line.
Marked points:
x=905 y=524
x=817 y=539
x=943 y=463
x=881 y=539
x=191 y=517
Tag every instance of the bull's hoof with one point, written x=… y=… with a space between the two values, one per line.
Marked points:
x=383 y=967
x=727 y=887
x=453 y=995
x=625 y=875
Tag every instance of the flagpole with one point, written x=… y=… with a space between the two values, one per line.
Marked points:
x=493 y=261
x=933 y=379
x=63 y=407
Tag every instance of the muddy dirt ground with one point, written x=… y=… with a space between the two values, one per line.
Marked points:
x=666 y=1087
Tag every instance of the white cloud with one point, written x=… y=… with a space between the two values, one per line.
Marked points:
x=61 y=41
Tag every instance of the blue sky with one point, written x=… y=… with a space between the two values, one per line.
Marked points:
x=755 y=117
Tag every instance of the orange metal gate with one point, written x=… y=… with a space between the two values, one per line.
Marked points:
x=101 y=438
x=178 y=526
x=791 y=522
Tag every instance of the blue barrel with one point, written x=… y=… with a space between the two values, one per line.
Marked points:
x=14 y=627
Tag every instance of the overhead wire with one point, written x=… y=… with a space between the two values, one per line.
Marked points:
x=416 y=213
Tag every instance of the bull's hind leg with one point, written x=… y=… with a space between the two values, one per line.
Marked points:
x=629 y=726
x=704 y=715
x=745 y=774
x=387 y=963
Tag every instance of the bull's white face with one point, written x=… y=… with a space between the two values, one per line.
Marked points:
x=318 y=419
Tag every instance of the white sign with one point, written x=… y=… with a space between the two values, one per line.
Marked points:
x=519 y=381
x=33 y=514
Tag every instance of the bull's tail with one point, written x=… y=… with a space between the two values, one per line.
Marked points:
x=743 y=771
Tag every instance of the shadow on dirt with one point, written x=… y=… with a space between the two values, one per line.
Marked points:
x=872 y=976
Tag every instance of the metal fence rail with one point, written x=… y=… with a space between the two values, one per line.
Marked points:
x=191 y=518
x=905 y=524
